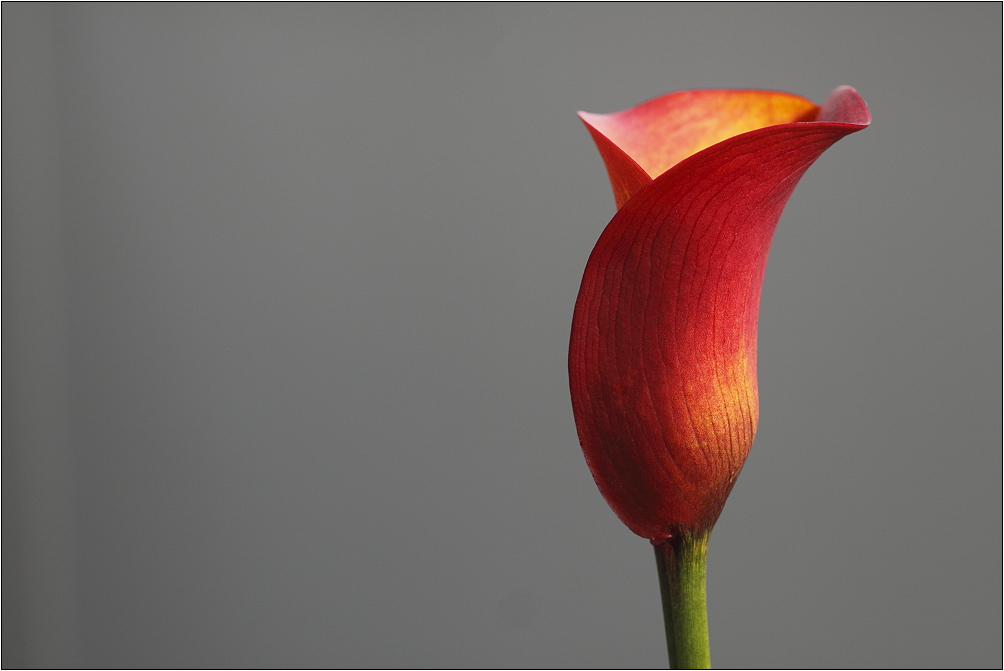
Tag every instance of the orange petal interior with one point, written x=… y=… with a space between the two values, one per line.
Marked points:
x=660 y=133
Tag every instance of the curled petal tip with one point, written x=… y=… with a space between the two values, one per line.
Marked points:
x=845 y=105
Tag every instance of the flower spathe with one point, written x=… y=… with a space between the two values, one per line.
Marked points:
x=662 y=361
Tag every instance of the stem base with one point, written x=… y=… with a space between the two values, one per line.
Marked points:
x=682 y=568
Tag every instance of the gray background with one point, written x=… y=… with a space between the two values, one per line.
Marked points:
x=287 y=292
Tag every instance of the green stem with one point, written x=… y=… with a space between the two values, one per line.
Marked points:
x=682 y=565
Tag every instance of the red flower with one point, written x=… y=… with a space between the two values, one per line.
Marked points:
x=662 y=361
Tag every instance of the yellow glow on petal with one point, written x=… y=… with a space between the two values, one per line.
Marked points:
x=662 y=132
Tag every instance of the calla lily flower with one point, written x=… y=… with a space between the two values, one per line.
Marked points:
x=662 y=361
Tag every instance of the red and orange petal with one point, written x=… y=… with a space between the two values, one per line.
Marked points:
x=641 y=143
x=662 y=360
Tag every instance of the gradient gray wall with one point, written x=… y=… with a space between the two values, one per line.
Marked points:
x=287 y=292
